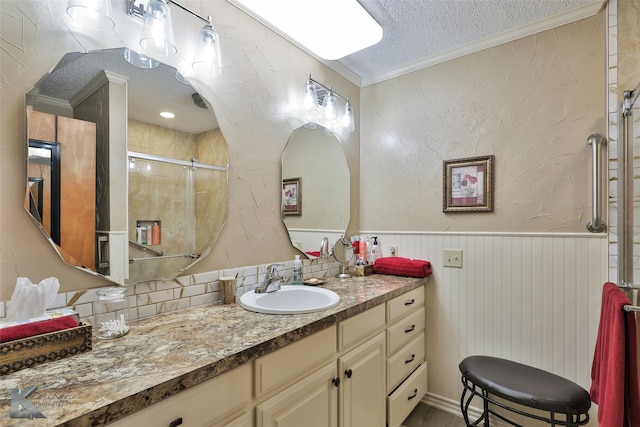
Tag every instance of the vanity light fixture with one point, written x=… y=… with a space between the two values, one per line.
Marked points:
x=157 y=34
x=167 y=115
x=93 y=13
x=320 y=106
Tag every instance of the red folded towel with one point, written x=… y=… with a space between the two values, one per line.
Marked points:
x=398 y=266
x=26 y=330
x=614 y=373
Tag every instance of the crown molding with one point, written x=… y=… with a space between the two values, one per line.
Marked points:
x=572 y=15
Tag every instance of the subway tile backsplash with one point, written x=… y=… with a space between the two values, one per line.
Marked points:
x=153 y=298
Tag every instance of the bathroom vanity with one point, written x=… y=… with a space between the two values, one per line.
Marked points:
x=360 y=363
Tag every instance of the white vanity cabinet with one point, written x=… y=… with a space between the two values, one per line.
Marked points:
x=347 y=390
x=406 y=365
x=221 y=401
x=368 y=370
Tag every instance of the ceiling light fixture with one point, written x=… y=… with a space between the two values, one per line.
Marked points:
x=303 y=21
x=157 y=34
x=320 y=106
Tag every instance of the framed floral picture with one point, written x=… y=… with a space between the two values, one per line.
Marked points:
x=291 y=196
x=468 y=185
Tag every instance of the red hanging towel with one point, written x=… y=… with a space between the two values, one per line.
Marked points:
x=614 y=373
x=398 y=266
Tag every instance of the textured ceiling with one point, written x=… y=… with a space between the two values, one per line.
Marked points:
x=418 y=33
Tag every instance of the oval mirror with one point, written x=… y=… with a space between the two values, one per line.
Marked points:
x=119 y=190
x=316 y=200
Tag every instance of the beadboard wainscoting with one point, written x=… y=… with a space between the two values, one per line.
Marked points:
x=533 y=298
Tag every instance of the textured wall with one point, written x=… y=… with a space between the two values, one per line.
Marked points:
x=532 y=103
x=256 y=102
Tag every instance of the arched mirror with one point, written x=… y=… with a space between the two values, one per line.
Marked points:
x=316 y=200
x=119 y=190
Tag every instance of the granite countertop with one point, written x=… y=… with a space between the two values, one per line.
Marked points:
x=163 y=355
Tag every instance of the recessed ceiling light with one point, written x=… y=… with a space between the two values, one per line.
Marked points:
x=330 y=29
x=167 y=115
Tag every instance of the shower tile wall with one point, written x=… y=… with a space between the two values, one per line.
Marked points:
x=171 y=205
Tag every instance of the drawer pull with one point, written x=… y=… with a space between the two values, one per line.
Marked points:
x=413 y=357
x=411 y=301
x=335 y=382
x=175 y=423
x=411 y=329
x=415 y=393
x=348 y=373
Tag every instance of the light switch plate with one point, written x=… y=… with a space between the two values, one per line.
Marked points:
x=452 y=258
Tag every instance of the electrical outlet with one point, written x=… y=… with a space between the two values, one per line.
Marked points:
x=393 y=250
x=452 y=258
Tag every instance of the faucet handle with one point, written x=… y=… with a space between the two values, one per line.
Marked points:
x=272 y=268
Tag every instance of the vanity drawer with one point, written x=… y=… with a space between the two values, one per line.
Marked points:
x=198 y=405
x=404 y=331
x=402 y=305
x=360 y=327
x=278 y=367
x=402 y=401
x=401 y=364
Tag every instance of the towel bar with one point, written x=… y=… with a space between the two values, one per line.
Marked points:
x=631 y=308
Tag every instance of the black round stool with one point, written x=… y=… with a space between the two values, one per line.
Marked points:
x=486 y=377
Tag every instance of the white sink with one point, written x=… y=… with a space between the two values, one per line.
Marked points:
x=290 y=299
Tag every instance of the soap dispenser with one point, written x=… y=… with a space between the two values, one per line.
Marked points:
x=375 y=250
x=297 y=271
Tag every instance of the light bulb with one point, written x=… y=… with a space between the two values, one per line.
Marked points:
x=329 y=110
x=208 y=58
x=348 y=119
x=157 y=32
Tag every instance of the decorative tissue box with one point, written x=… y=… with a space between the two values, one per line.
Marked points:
x=38 y=349
x=360 y=270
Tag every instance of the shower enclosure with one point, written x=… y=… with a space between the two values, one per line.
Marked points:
x=629 y=190
x=177 y=197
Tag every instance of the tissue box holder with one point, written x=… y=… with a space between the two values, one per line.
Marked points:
x=38 y=349
x=360 y=270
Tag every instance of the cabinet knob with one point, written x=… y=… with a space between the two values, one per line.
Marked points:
x=415 y=393
x=411 y=329
x=348 y=373
x=175 y=423
x=409 y=302
x=336 y=382
x=411 y=359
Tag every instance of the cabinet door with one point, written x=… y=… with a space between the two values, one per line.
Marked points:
x=199 y=405
x=362 y=387
x=311 y=402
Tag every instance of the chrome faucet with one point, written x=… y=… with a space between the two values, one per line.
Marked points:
x=324 y=248
x=271 y=282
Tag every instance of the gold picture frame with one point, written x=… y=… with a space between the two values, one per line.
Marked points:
x=468 y=184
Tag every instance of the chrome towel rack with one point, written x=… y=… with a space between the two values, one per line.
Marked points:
x=597 y=141
x=624 y=286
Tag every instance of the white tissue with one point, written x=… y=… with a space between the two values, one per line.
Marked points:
x=29 y=300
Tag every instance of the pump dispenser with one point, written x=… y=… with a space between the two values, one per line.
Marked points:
x=297 y=271
x=375 y=250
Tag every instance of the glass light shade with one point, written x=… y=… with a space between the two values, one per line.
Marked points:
x=329 y=109
x=157 y=32
x=139 y=60
x=310 y=102
x=348 y=120
x=208 y=58
x=95 y=14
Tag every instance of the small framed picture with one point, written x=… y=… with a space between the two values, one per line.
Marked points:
x=292 y=196
x=468 y=185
